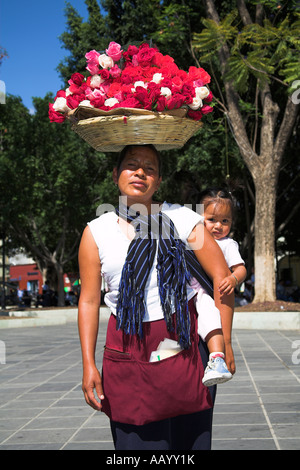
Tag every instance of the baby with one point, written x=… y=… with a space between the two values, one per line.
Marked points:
x=218 y=215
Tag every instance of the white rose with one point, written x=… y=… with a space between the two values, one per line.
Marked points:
x=111 y=102
x=68 y=92
x=157 y=78
x=60 y=105
x=85 y=103
x=202 y=92
x=139 y=83
x=165 y=91
x=196 y=104
x=105 y=61
x=96 y=81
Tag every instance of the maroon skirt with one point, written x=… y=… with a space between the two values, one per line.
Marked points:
x=138 y=391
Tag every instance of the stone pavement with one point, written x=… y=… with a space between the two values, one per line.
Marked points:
x=42 y=405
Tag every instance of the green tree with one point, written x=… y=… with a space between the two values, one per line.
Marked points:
x=51 y=180
x=256 y=48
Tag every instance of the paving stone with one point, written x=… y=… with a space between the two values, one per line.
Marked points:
x=42 y=405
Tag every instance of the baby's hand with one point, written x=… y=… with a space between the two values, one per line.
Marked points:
x=228 y=285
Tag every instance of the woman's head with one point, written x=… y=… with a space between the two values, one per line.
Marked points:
x=218 y=211
x=130 y=148
x=138 y=173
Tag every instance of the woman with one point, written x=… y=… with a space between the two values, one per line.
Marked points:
x=104 y=246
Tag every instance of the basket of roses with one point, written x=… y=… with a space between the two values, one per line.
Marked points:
x=134 y=96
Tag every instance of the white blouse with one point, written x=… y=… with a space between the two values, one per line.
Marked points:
x=113 y=245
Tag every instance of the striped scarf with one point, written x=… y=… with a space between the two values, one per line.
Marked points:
x=175 y=266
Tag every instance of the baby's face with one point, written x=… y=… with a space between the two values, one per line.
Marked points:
x=218 y=220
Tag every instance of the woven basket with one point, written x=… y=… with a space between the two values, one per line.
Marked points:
x=111 y=131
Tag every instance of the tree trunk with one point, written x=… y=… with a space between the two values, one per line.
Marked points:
x=60 y=285
x=264 y=260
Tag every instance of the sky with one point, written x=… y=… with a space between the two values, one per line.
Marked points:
x=29 y=31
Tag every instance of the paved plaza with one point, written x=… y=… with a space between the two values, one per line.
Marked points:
x=42 y=405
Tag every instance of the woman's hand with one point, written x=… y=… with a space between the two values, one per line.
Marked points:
x=92 y=381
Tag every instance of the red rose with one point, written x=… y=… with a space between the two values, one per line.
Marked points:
x=177 y=83
x=209 y=98
x=196 y=115
x=132 y=50
x=199 y=74
x=154 y=91
x=74 y=100
x=130 y=102
x=142 y=96
x=104 y=74
x=60 y=94
x=176 y=101
x=189 y=92
x=169 y=71
x=97 y=102
x=145 y=55
x=161 y=103
x=161 y=60
x=77 y=78
x=167 y=82
x=114 y=88
x=54 y=116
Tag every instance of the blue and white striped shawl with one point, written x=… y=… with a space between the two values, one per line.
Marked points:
x=175 y=266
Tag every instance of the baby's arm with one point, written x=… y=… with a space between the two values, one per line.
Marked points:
x=229 y=283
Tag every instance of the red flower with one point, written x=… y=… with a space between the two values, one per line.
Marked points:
x=199 y=74
x=145 y=55
x=189 y=93
x=176 y=101
x=97 y=102
x=60 y=94
x=154 y=91
x=161 y=104
x=74 y=100
x=114 y=88
x=77 y=78
x=206 y=109
x=54 y=116
x=130 y=102
x=209 y=98
x=196 y=115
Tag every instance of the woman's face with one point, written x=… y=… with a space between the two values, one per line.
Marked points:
x=138 y=176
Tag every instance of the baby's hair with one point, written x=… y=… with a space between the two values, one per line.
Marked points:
x=217 y=195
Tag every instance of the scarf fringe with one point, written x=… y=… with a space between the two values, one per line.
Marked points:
x=131 y=304
x=174 y=296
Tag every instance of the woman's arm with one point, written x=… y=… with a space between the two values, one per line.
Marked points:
x=88 y=316
x=213 y=262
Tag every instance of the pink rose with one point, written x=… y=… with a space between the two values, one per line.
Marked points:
x=92 y=55
x=115 y=71
x=92 y=61
x=114 y=51
x=206 y=109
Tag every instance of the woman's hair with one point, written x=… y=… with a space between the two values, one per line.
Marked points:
x=217 y=195
x=129 y=148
